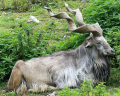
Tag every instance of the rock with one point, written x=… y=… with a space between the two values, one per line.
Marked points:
x=33 y=19
x=52 y=94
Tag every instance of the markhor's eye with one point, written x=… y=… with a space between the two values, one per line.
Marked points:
x=98 y=43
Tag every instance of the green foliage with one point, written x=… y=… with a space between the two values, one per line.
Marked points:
x=23 y=44
x=9 y=94
x=6 y=47
x=25 y=5
x=114 y=79
x=71 y=43
x=103 y=11
x=86 y=89
x=20 y=5
x=114 y=40
x=117 y=94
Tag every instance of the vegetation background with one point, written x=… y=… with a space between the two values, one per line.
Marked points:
x=20 y=40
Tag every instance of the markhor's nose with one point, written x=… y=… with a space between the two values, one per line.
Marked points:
x=112 y=51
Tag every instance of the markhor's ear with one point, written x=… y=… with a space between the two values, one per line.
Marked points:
x=89 y=45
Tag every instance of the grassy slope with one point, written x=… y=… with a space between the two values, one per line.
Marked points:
x=9 y=23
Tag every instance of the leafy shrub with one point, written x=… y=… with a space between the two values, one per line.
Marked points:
x=114 y=79
x=9 y=94
x=114 y=40
x=72 y=42
x=23 y=44
x=105 y=12
x=6 y=47
x=20 y=5
x=24 y=5
x=86 y=89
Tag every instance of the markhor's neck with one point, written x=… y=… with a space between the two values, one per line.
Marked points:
x=81 y=51
x=90 y=55
x=92 y=62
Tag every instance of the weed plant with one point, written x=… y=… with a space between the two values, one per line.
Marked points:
x=87 y=89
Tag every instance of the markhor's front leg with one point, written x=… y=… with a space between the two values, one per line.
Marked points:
x=41 y=88
x=36 y=88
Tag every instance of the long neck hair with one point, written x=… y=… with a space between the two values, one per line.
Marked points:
x=95 y=62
